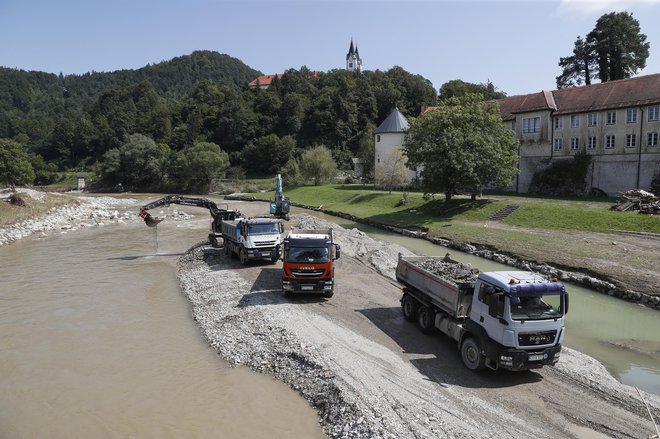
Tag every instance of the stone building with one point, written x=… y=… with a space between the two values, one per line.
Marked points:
x=617 y=123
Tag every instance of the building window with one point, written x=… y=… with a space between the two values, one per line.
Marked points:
x=558 y=145
x=611 y=117
x=631 y=140
x=350 y=65
x=609 y=142
x=591 y=144
x=532 y=125
x=575 y=121
x=377 y=137
x=652 y=139
x=575 y=143
x=559 y=122
x=654 y=113
x=631 y=115
x=513 y=125
x=592 y=119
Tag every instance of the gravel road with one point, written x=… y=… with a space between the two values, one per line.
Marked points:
x=369 y=373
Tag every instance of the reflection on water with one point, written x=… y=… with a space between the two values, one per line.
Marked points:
x=97 y=341
x=623 y=336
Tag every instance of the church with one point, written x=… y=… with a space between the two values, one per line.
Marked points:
x=353 y=60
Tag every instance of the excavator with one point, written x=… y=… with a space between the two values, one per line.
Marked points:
x=218 y=214
x=280 y=205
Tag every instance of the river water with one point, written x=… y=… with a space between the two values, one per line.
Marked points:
x=97 y=341
x=625 y=337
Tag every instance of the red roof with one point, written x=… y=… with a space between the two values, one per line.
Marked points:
x=631 y=92
x=264 y=80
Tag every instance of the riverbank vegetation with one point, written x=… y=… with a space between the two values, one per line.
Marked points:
x=11 y=214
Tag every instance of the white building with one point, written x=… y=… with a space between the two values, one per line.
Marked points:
x=390 y=135
x=353 y=60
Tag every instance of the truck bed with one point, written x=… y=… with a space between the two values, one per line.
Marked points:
x=444 y=292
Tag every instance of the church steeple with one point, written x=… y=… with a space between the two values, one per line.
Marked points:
x=353 y=60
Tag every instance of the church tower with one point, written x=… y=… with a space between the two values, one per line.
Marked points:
x=353 y=60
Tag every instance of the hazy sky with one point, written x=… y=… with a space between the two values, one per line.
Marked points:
x=516 y=44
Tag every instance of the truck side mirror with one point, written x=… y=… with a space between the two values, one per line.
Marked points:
x=565 y=304
x=337 y=252
x=280 y=227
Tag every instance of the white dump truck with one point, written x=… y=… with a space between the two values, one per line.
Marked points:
x=253 y=238
x=502 y=319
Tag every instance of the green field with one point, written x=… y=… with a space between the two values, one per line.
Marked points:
x=589 y=215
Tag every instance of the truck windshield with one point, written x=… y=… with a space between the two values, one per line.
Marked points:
x=536 y=307
x=307 y=254
x=262 y=229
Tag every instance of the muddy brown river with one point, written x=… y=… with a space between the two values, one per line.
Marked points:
x=97 y=341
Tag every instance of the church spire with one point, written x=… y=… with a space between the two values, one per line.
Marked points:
x=353 y=60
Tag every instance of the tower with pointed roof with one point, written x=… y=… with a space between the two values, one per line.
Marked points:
x=353 y=60
x=390 y=135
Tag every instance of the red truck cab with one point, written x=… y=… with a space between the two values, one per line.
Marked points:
x=308 y=258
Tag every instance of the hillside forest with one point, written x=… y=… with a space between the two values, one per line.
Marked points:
x=193 y=118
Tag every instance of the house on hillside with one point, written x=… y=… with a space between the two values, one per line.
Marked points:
x=264 y=81
x=617 y=123
x=389 y=135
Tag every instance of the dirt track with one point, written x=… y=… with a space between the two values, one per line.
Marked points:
x=372 y=374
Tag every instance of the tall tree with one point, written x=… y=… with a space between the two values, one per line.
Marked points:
x=620 y=46
x=392 y=172
x=462 y=145
x=15 y=167
x=579 y=67
x=317 y=164
x=614 y=49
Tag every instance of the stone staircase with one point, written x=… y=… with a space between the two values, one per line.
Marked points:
x=504 y=212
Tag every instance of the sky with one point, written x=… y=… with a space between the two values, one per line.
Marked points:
x=516 y=45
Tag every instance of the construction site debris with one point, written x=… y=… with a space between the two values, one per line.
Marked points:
x=638 y=199
x=453 y=271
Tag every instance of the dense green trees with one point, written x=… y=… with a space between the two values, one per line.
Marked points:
x=457 y=89
x=15 y=166
x=79 y=121
x=462 y=145
x=614 y=49
x=194 y=169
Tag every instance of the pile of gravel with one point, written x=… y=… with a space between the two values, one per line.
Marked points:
x=453 y=271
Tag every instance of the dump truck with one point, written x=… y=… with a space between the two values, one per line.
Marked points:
x=501 y=320
x=308 y=259
x=253 y=238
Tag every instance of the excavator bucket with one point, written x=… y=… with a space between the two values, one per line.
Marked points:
x=151 y=221
x=148 y=219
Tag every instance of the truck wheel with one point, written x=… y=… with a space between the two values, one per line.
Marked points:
x=409 y=306
x=226 y=248
x=426 y=319
x=328 y=294
x=471 y=355
x=242 y=255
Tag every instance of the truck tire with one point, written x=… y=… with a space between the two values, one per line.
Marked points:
x=409 y=306
x=242 y=255
x=426 y=319
x=226 y=248
x=328 y=294
x=471 y=355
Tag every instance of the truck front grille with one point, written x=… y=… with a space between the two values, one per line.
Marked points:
x=308 y=273
x=537 y=338
x=265 y=243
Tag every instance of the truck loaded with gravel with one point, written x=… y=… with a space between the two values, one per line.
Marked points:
x=253 y=238
x=502 y=319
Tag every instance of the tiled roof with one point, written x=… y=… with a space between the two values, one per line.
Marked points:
x=641 y=90
x=264 y=80
x=394 y=123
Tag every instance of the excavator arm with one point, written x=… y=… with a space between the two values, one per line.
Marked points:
x=216 y=212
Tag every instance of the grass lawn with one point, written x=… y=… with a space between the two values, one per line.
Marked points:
x=590 y=215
